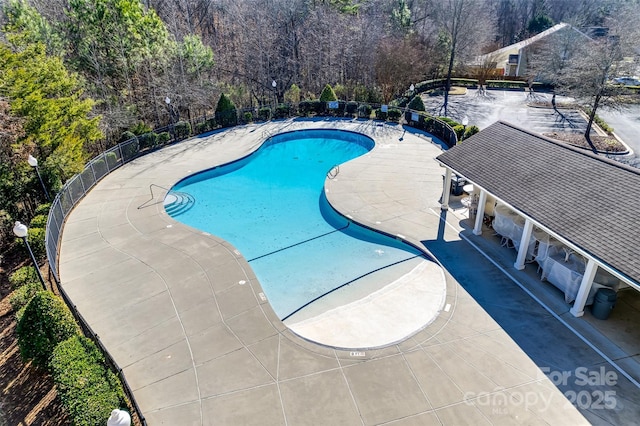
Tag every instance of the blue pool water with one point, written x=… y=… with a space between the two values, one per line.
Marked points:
x=271 y=206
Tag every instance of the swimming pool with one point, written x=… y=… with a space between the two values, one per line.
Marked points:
x=271 y=206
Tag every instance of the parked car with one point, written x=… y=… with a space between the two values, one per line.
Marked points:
x=627 y=81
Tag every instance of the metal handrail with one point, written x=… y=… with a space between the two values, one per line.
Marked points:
x=333 y=173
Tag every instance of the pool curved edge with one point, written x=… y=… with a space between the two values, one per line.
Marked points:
x=405 y=303
x=403 y=292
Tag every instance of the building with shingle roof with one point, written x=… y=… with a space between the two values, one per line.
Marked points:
x=512 y=60
x=588 y=202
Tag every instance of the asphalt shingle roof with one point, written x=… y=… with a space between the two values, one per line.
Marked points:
x=590 y=201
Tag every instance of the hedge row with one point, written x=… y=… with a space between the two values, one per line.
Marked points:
x=88 y=389
x=49 y=336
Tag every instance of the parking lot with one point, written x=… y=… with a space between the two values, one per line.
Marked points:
x=514 y=107
x=510 y=106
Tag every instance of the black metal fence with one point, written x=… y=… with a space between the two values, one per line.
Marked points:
x=79 y=185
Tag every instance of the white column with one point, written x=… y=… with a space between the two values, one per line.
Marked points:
x=524 y=245
x=446 y=190
x=585 y=287
x=477 y=229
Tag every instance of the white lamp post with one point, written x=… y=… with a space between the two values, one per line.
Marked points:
x=33 y=162
x=21 y=231
x=412 y=88
x=167 y=100
x=275 y=93
x=465 y=121
x=119 y=418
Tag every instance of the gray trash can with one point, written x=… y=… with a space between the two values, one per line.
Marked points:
x=604 y=302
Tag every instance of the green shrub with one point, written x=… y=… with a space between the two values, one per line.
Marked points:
x=112 y=160
x=127 y=136
x=470 y=131
x=305 y=108
x=22 y=295
x=226 y=114
x=36 y=236
x=506 y=84
x=140 y=128
x=351 y=108
x=163 y=138
x=201 y=128
x=247 y=117
x=394 y=114
x=43 y=209
x=38 y=221
x=148 y=140
x=416 y=104
x=381 y=115
x=451 y=122
x=23 y=276
x=464 y=82
x=264 y=114
x=364 y=111
x=212 y=123
x=282 y=111
x=130 y=149
x=328 y=94
x=182 y=129
x=87 y=389
x=46 y=321
x=459 y=129
x=292 y=94
x=99 y=168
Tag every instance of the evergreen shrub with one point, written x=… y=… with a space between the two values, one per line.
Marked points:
x=43 y=209
x=46 y=321
x=328 y=94
x=163 y=138
x=23 y=276
x=182 y=129
x=35 y=237
x=416 y=104
x=22 y=295
x=264 y=114
x=226 y=114
x=87 y=388
x=394 y=114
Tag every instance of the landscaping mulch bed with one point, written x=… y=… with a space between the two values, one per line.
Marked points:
x=602 y=143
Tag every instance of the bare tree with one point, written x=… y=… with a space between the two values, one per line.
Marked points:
x=467 y=26
x=592 y=70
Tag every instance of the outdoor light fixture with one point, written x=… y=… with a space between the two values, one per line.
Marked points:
x=33 y=162
x=275 y=93
x=412 y=88
x=167 y=100
x=119 y=418
x=21 y=231
x=465 y=121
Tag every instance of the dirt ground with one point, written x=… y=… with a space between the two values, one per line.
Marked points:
x=28 y=394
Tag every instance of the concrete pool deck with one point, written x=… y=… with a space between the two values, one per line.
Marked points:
x=184 y=316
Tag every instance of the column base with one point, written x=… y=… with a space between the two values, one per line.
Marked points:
x=576 y=313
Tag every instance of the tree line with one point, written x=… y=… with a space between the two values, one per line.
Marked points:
x=76 y=74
